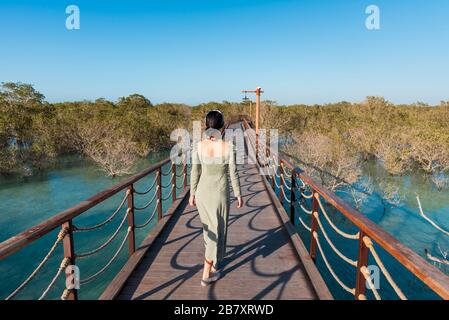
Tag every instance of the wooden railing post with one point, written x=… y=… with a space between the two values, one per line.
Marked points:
x=314 y=225
x=362 y=261
x=159 y=194
x=281 y=184
x=69 y=253
x=173 y=181
x=130 y=213
x=292 y=197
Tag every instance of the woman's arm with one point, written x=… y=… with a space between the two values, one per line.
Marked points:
x=195 y=173
x=235 y=181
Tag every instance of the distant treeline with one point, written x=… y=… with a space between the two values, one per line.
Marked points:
x=334 y=137
x=332 y=141
x=33 y=132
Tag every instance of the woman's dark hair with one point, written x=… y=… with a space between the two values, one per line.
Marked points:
x=214 y=120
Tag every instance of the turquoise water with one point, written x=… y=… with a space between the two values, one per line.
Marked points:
x=401 y=220
x=26 y=202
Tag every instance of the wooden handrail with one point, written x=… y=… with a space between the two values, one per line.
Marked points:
x=24 y=238
x=427 y=273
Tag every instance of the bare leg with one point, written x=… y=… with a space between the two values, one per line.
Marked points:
x=207 y=269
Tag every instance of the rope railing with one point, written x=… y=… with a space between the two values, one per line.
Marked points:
x=150 y=188
x=339 y=231
x=285 y=196
x=285 y=185
x=148 y=203
x=304 y=224
x=164 y=174
x=143 y=225
x=97 y=274
x=329 y=267
x=307 y=211
x=371 y=286
x=97 y=226
x=369 y=245
x=168 y=196
x=59 y=238
x=64 y=264
x=301 y=188
x=167 y=185
x=105 y=244
x=331 y=244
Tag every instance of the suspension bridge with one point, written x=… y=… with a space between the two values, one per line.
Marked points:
x=266 y=257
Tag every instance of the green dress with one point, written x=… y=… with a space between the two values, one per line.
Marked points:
x=210 y=185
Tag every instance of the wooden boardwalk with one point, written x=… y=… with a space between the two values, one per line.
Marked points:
x=261 y=263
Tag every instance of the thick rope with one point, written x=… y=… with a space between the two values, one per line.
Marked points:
x=148 y=203
x=97 y=226
x=286 y=185
x=309 y=212
x=340 y=232
x=150 y=188
x=369 y=245
x=65 y=262
x=104 y=245
x=371 y=286
x=168 y=196
x=285 y=196
x=307 y=196
x=164 y=174
x=275 y=172
x=181 y=174
x=140 y=226
x=277 y=184
x=305 y=225
x=345 y=287
x=60 y=237
x=179 y=187
x=302 y=184
x=167 y=185
x=94 y=276
x=331 y=244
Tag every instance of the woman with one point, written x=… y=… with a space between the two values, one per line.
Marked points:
x=212 y=160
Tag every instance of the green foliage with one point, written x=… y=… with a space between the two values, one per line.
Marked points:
x=33 y=132
x=403 y=138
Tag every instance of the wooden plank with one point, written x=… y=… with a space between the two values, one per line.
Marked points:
x=429 y=274
x=261 y=263
x=120 y=279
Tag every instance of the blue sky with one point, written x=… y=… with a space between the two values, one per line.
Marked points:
x=305 y=51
